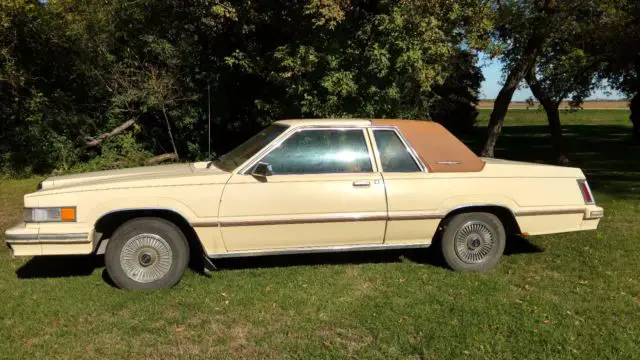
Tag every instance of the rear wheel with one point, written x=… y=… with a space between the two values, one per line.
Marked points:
x=147 y=254
x=473 y=241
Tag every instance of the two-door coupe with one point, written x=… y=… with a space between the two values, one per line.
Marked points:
x=303 y=186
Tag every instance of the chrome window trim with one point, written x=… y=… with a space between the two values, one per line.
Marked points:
x=287 y=134
x=409 y=148
x=240 y=169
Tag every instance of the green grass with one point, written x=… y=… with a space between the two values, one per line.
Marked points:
x=520 y=117
x=553 y=297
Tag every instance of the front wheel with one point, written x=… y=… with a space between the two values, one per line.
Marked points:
x=147 y=254
x=473 y=242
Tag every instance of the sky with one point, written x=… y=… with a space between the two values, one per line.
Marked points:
x=492 y=71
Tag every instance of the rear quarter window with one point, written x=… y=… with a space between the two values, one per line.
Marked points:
x=394 y=155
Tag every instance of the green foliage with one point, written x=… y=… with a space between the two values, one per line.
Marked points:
x=71 y=73
x=118 y=152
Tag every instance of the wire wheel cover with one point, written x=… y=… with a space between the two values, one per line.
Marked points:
x=474 y=241
x=146 y=258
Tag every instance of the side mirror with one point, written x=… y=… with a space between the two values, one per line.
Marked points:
x=262 y=170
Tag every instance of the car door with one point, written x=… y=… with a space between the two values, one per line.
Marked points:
x=410 y=199
x=324 y=191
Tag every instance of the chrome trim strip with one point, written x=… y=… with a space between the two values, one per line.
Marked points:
x=415 y=217
x=551 y=212
x=319 y=219
x=314 y=220
x=320 y=249
x=205 y=224
x=70 y=238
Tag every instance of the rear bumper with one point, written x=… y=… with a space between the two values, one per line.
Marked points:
x=32 y=239
x=594 y=213
x=541 y=221
x=592 y=218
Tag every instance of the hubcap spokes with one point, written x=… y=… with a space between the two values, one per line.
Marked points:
x=146 y=258
x=474 y=241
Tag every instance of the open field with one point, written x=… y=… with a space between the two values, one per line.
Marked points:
x=588 y=105
x=552 y=297
x=523 y=117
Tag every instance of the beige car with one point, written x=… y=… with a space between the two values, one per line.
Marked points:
x=305 y=186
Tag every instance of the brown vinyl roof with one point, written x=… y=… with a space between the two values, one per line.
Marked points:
x=438 y=149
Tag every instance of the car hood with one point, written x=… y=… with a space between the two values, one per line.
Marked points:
x=130 y=174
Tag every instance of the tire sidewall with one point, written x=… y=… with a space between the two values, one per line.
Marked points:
x=448 y=242
x=163 y=228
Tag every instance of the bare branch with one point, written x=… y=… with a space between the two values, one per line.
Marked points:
x=161 y=158
x=166 y=119
x=93 y=142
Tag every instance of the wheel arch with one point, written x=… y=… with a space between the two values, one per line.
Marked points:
x=505 y=214
x=108 y=222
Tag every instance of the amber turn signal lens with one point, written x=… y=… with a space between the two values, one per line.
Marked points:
x=68 y=214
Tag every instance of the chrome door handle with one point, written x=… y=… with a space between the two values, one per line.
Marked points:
x=362 y=183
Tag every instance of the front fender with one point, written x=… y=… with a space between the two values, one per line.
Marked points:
x=141 y=203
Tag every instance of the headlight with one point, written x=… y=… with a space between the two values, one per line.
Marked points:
x=61 y=214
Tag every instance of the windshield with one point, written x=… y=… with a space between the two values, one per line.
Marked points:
x=247 y=149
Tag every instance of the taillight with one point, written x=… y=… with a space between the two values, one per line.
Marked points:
x=586 y=192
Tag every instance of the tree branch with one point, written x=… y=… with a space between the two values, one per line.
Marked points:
x=93 y=142
x=161 y=158
x=166 y=119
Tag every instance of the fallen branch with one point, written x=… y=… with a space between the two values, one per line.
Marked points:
x=93 y=142
x=161 y=158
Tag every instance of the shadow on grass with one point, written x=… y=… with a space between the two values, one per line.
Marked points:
x=341 y=258
x=60 y=266
x=85 y=265
x=430 y=256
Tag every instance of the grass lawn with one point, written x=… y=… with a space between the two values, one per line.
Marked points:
x=552 y=297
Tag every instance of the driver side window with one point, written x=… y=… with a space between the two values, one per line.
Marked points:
x=321 y=151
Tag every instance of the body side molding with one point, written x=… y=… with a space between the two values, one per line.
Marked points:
x=321 y=249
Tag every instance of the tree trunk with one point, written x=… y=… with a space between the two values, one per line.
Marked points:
x=500 y=107
x=551 y=108
x=516 y=75
x=634 y=106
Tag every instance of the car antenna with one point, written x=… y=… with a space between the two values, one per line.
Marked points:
x=209 y=117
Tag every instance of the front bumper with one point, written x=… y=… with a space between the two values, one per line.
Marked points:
x=49 y=239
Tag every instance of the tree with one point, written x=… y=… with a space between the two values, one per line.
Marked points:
x=521 y=32
x=98 y=80
x=619 y=43
x=566 y=69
